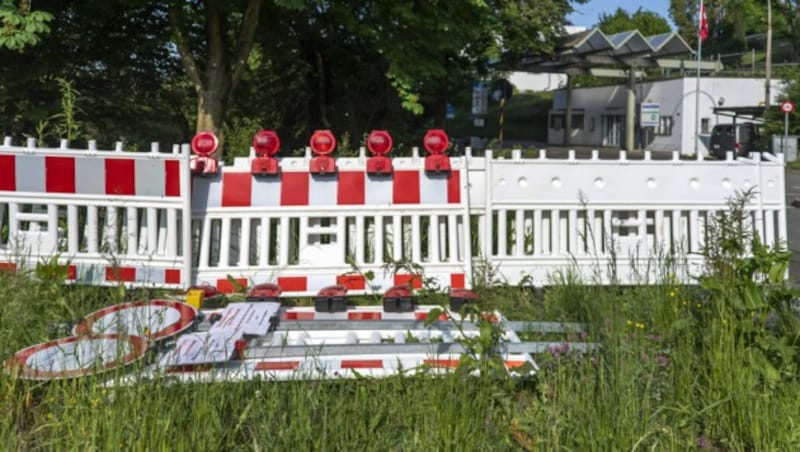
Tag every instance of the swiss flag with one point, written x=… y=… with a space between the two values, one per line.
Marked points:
x=702 y=32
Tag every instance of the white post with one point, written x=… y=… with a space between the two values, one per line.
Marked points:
x=186 y=216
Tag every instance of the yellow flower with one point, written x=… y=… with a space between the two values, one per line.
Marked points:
x=640 y=325
x=629 y=323
x=673 y=293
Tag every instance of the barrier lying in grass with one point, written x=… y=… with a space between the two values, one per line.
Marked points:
x=261 y=339
x=368 y=223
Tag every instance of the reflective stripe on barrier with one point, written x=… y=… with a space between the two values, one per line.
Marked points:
x=90 y=175
x=233 y=188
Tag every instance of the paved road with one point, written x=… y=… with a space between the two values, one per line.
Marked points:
x=793 y=221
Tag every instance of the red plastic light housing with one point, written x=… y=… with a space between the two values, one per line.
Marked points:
x=205 y=144
x=379 y=142
x=266 y=143
x=323 y=142
x=436 y=141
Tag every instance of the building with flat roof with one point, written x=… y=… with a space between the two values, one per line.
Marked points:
x=598 y=113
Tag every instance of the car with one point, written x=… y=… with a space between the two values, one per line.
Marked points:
x=741 y=139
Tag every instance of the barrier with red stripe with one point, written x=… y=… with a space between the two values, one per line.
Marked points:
x=111 y=216
x=368 y=222
x=305 y=231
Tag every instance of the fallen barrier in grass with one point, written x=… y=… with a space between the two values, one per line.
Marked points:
x=261 y=339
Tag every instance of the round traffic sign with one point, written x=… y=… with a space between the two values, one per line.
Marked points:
x=154 y=319
x=266 y=143
x=74 y=356
x=204 y=144
x=323 y=142
x=379 y=142
x=787 y=106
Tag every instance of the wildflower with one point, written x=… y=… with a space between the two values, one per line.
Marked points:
x=673 y=293
x=584 y=335
x=662 y=360
x=640 y=325
x=645 y=357
x=703 y=442
x=699 y=306
x=629 y=323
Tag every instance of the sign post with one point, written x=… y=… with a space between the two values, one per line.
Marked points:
x=786 y=107
x=649 y=116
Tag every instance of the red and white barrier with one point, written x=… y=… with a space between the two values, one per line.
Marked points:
x=109 y=216
x=366 y=222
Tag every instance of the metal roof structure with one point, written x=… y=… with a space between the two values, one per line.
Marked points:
x=620 y=55
x=579 y=53
x=752 y=113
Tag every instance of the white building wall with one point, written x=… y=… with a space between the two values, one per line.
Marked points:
x=677 y=100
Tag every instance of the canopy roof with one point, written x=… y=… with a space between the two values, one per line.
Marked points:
x=581 y=52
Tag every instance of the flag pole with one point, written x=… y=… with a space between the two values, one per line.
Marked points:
x=697 y=85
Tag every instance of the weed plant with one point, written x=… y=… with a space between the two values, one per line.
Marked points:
x=706 y=366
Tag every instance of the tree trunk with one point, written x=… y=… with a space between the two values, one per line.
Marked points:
x=225 y=65
x=210 y=113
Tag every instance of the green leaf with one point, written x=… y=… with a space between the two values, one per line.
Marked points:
x=433 y=315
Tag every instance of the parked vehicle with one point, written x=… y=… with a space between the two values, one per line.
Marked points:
x=741 y=139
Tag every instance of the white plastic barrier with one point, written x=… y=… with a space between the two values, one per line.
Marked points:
x=118 y=216
x=612 y=219
x=306 y=231
x=110 y=216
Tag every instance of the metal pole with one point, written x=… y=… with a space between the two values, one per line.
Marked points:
x=630 y=111
x=502 y=109
x=768 y=74
x=697 y=85
x=785 y=131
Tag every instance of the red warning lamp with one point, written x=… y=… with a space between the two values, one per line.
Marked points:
x=379 y=143
x=436 y=143
x=204 y=144
x=266 y=143
x=323 y=143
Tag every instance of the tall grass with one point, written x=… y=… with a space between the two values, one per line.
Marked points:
x=708 y=366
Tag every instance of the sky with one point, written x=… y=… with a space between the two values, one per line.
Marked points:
x=588 y=14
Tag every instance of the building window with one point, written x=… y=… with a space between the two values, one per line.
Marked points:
x=556 y=122
x=664 y=126
x=577 y=121
x=705 y=125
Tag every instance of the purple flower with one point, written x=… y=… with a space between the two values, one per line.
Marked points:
x=662 y=360
x=564 y=347
x=584 y=335
x=703 y=442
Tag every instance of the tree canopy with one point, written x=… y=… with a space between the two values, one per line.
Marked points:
x=142 y=70
x=647 y=22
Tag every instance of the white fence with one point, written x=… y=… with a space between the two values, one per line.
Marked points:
x=110 y=216
x=118 y=216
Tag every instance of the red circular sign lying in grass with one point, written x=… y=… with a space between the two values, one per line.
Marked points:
x=154 y=319
x=72 y=357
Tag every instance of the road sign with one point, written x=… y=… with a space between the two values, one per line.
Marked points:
x=787 y=106
x=480 y=98
x=649 y=115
